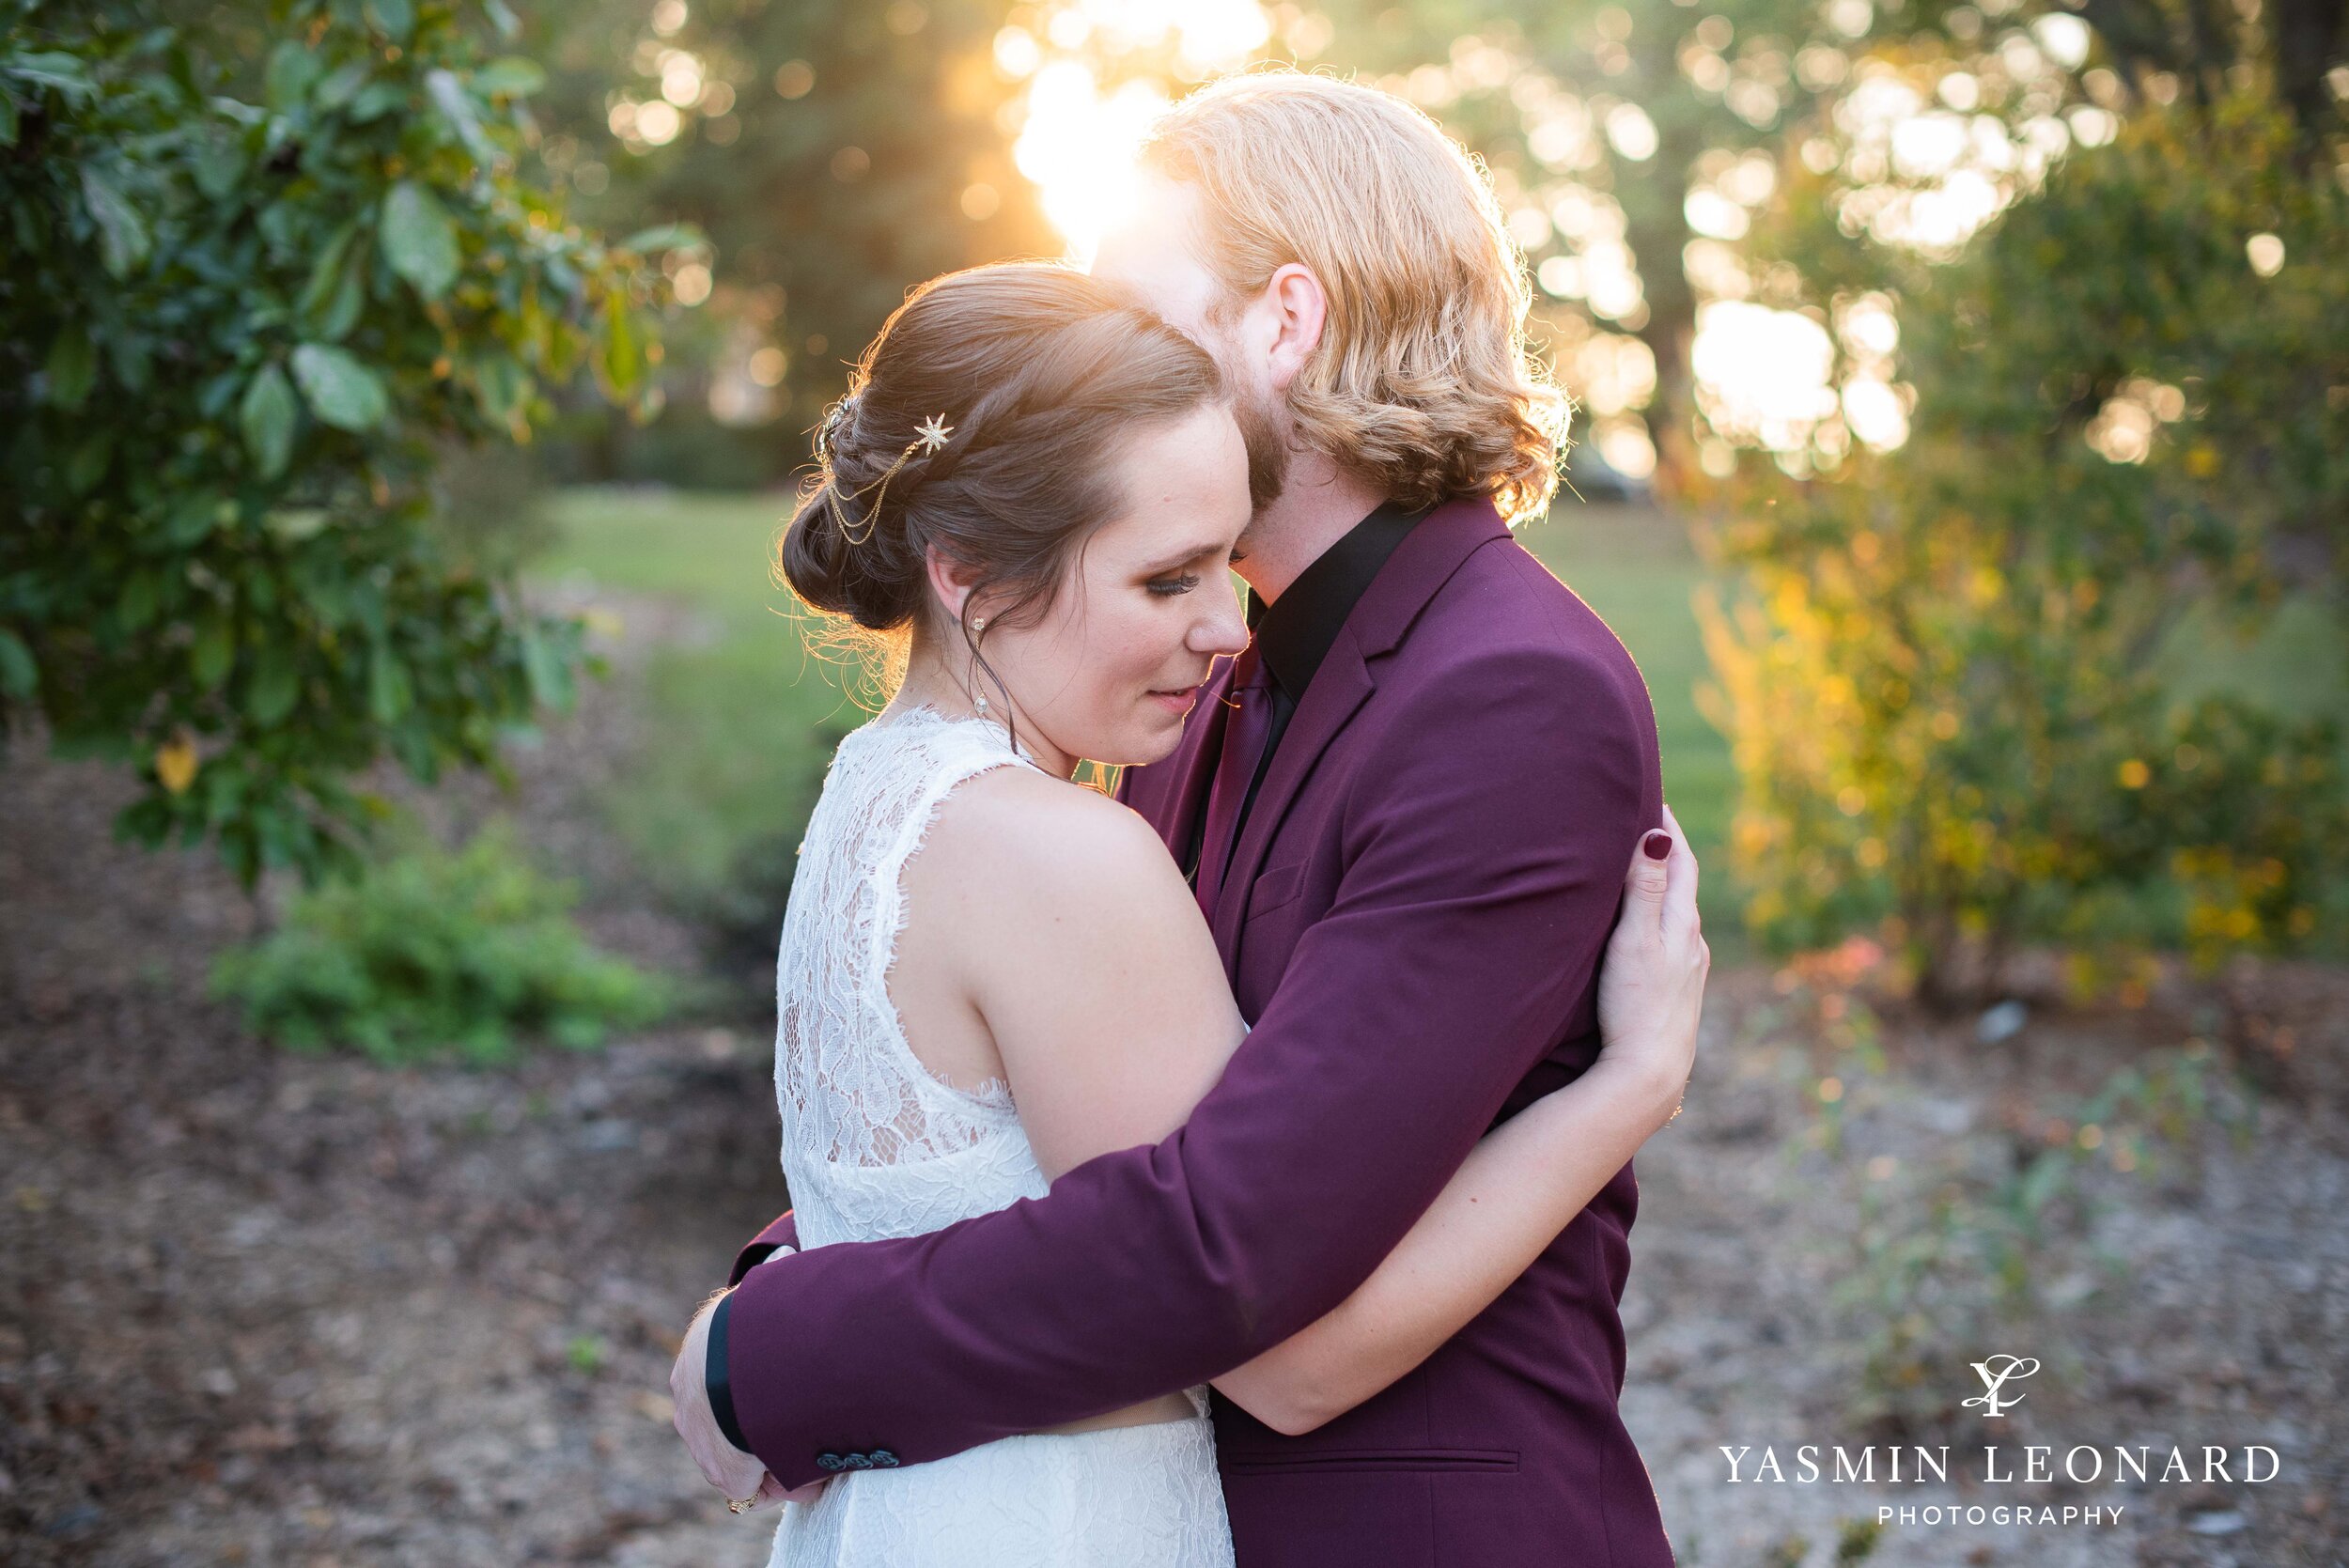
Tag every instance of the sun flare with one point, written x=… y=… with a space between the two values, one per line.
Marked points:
x=1098 y=72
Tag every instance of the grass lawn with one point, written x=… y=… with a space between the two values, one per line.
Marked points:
x=1633 y=565
x=741 y=716
x=745 y=722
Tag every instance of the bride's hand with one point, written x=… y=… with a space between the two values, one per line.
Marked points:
x=1651 y=985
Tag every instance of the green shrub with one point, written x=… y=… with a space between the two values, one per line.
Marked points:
x=432 y=953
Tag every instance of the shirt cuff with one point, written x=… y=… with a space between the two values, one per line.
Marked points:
x=715 y=1379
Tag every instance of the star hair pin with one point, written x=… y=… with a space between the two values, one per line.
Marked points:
x=930 y=437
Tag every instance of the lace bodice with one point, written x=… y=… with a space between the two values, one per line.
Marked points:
x=875 y=1145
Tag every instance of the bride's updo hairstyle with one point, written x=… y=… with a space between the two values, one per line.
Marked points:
x=1036 y=371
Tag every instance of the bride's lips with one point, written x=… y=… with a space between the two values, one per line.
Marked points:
x=1180 y=700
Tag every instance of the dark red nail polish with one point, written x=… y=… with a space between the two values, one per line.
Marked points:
x=1658 y=844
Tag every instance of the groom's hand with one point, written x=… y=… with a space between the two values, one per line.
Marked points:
x=723 y=1465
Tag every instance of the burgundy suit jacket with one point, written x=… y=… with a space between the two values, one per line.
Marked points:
x=1412 y=922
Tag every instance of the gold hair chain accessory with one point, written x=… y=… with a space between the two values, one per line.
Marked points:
x=930 y=435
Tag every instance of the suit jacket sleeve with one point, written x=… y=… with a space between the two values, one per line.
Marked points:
x=782 y=1230
x=1486 y=844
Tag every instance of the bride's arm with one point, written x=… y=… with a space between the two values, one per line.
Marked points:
x=1523 y=1184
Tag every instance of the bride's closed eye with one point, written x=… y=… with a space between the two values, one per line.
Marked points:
x=1169 y=586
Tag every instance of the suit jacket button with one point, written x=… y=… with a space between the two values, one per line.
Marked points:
x=884 y=1460
x=856 y=1462
x=829 y=1462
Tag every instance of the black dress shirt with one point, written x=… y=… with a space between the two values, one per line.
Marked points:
x=1293 y=634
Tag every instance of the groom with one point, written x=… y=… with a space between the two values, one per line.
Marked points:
x=1402 y=808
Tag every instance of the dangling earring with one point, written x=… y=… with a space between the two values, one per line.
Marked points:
x=979 y=625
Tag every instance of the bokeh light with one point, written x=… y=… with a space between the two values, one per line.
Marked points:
x=1764 y=376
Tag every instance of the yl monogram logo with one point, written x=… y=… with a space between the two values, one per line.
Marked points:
x=1995 y=1373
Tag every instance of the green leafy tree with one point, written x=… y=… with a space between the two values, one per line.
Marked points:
x=834 y=153
x=1954 y=687
x=261 y=269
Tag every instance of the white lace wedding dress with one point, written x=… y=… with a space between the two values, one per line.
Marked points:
x=874 y=1144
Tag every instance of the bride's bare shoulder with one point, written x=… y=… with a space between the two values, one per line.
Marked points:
x=1016 y=832
x=1015 y=816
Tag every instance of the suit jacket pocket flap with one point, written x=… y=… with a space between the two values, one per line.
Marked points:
x=1279 y=885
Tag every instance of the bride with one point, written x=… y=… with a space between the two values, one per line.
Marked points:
x=990 y=974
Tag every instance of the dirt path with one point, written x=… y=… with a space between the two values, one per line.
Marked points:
x=2202 y=1299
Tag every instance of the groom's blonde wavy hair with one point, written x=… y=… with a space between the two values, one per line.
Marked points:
x=1422 y=382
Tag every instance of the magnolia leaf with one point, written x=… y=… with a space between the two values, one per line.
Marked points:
x=193 y=517
x=72 y=367
x=142 y=596
x=287 y=76
x=276 y=682
x=326 y=271
x=52 y=68
x=397 y=18
x=129 y=351
x=219 y=166
x=341 y=85
x=349 y=297
x=622 y=360
x=376 y=100
x=549 y=676
x=419 y=238
x=339 y=389
x=500 y=384
x=122 y=238
x=90 y=461
x=513 y=76
x=664 y=237
x=214 y=651
x=294 y=524
x=456 y=105
x=388 y=693
x=267 y=417
x=19 y=674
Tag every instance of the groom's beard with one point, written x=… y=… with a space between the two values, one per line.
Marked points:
x=1268 y=451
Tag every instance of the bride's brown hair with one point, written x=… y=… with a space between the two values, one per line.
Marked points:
x=1036 y=370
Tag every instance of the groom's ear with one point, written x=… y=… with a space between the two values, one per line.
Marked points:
x=1299 y=311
